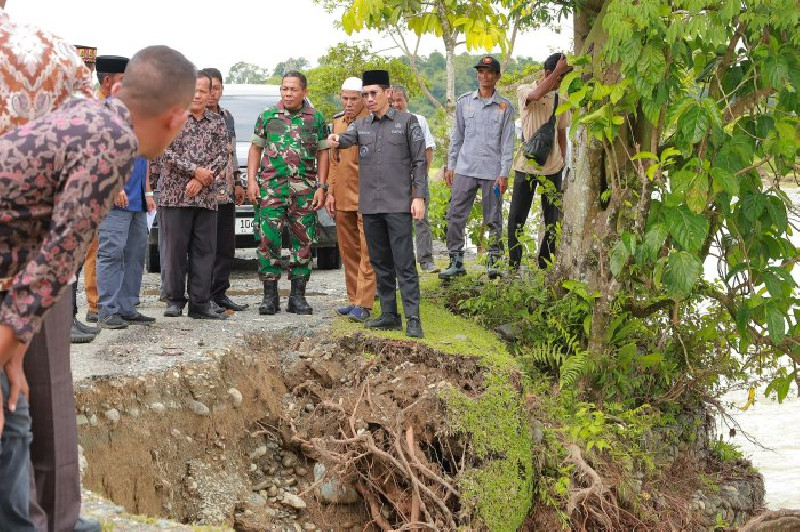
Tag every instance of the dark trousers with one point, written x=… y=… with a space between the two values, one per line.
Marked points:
x=521 y=201
x=226 y=250
x=190 y=246
x=14 y=464
x=54 y=451
x=391 y=252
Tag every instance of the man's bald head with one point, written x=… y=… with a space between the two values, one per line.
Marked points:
x=157 y=79
x=157 y=89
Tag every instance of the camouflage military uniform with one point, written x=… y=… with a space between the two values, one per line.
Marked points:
x=287 y=179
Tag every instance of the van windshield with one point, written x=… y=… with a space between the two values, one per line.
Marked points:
x=245 y=110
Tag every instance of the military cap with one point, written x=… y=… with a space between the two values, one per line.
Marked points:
x=88 y=53
x=375 y=77
x=111 y=64
x=488 y=62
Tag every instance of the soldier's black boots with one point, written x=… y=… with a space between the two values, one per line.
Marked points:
x=270 y=304
x=297 y=299
x=388 y=321
x=456 y=267
x=414 y=327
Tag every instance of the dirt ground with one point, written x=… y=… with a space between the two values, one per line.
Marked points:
x=142 y=349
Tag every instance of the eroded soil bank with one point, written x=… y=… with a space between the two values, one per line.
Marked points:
x=349 y=432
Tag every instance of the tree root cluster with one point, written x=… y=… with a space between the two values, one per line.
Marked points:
x=387 y=445
x=402 y=488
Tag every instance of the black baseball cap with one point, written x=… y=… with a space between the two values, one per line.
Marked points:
x=488 y=62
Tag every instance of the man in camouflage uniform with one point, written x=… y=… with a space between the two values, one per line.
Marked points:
x=287 y=184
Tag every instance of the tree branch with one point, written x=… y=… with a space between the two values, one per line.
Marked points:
x=412 y=59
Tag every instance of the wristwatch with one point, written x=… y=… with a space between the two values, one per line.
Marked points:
x=323 y=186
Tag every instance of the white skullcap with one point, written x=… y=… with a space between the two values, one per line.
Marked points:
x=352 y=84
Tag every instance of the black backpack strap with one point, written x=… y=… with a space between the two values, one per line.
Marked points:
x=555 y=105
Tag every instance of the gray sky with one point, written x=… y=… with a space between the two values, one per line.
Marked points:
x=247 y=30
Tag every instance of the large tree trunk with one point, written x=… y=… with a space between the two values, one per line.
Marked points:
x=591 y=226
x=578 y=255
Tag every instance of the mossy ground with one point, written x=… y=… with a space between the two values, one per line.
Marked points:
x=500 y=486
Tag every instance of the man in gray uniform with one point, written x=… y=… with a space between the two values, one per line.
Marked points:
x=393 y=186
x=481 y=152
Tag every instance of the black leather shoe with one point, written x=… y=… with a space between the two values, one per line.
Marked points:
x=297 y=298
x=271 y=302
x=173 y=310
x=385 y=322
x=86 y=525
x=138 y=318
x=414 y=327
x=86 y=329
x=206 y=314
x=76 y=336
x=113 y=321
x=226 y=303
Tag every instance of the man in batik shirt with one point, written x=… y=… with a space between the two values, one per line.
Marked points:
x=55 y=73
x=188 y=203
x=230 y=193
x=287 y=185
x=58 y=177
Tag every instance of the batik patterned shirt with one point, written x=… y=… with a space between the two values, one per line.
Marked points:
x=38 y=73
x=290 y=141
x=226 y=180
x=59 y=175
x=202 y=143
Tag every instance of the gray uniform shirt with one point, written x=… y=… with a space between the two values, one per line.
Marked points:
x=391 y=161
x=482 y=142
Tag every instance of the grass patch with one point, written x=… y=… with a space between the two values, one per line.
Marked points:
x=444 y=332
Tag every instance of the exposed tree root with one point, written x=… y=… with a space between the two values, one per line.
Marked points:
x=401 y=487
x=774 y=521
x=592 y=505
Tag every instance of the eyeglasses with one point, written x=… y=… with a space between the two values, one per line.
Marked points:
x=370 y=94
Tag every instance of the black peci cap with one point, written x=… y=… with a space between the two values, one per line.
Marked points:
x=489 y=62
x=111 y=64
x=375 y=77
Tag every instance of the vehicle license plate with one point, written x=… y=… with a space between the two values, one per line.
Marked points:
x=244 y=226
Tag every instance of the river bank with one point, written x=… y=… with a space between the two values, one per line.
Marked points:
x=214 y=422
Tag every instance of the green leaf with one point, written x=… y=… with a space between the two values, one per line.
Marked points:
x=651 y=64
x=776 y=322
x=693 y=125
x=650 y=361
x=723 y=179
x=697 y=195
x=619 y=257
x=668 y=154
x=654 y=239
x=625 y=354
x=779 y=282
x=683 y=270
x=689 y=230
x=777 y=213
